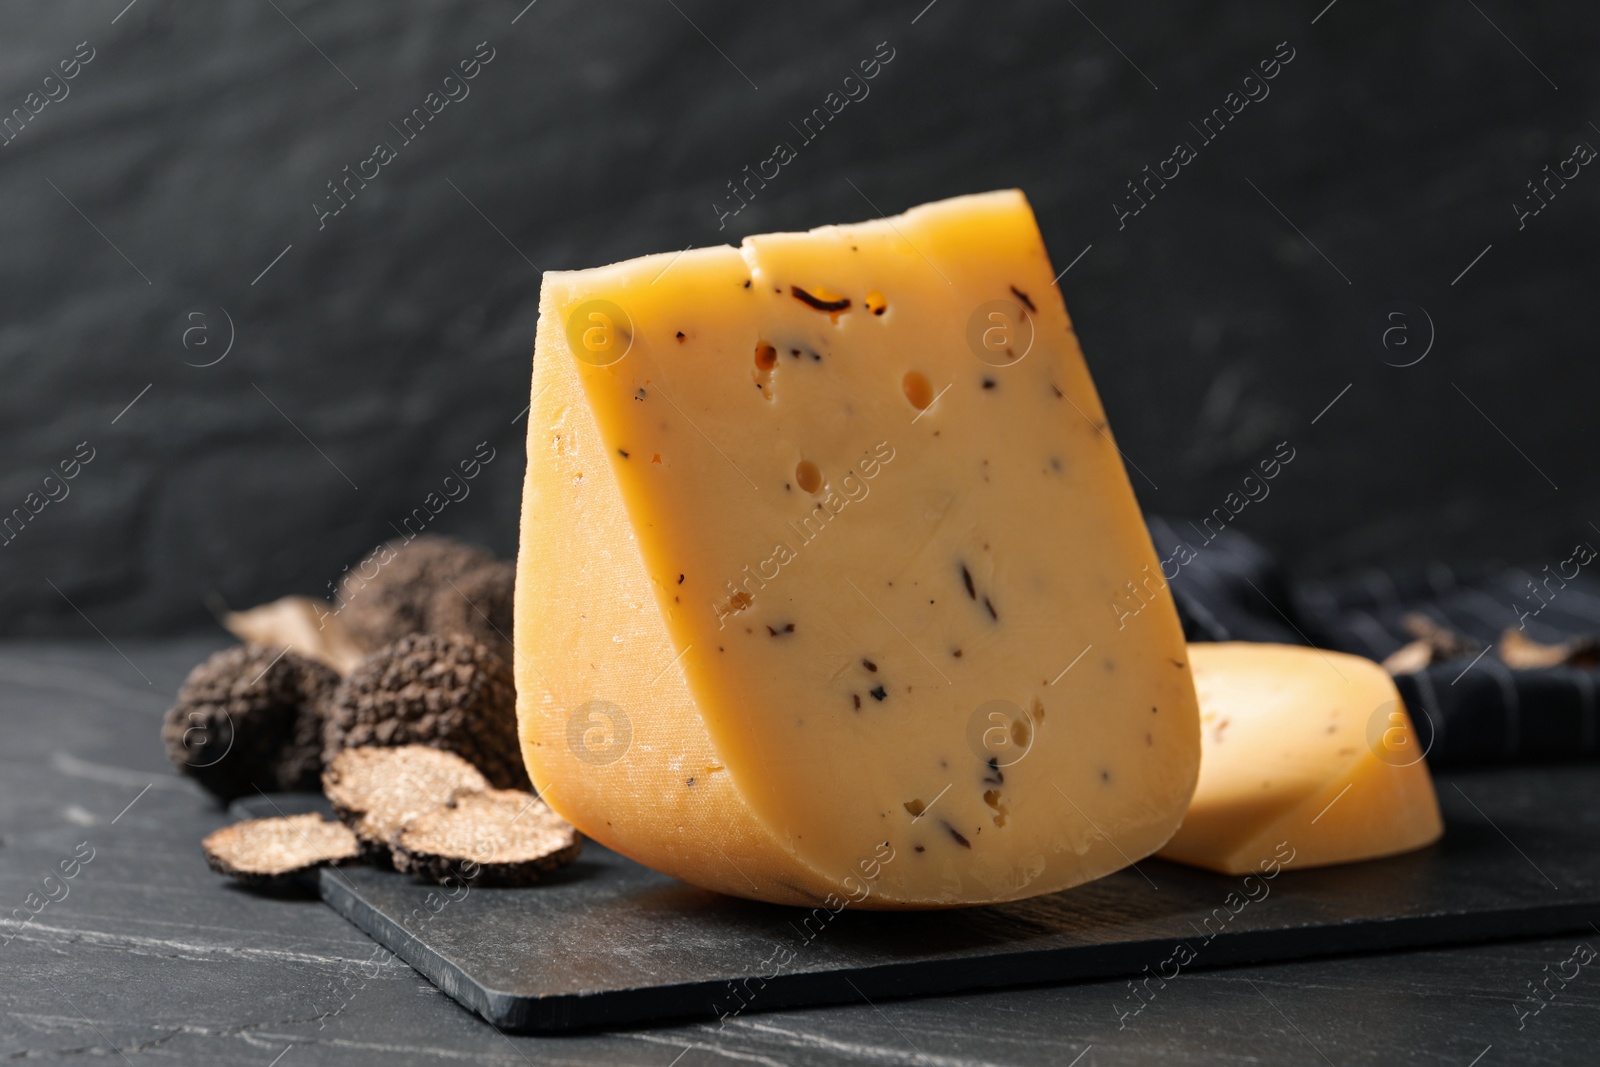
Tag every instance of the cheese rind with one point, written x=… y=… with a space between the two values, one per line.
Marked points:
x=1302 y=746
x=790 y=538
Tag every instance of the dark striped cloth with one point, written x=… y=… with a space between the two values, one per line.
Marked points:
x=1469 y=710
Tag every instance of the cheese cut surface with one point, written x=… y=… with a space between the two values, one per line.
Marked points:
x=802 y=576
x=1306 y=747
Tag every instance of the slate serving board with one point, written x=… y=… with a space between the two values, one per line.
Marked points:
x=608 y=943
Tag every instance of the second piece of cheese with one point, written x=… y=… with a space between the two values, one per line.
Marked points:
x=819 y=535
x=1306 y=748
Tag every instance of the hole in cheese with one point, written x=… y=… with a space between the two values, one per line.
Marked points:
x=918 y=389
x=766 y=360
x=991 y=797
x=1021 y=735
x=808 y=476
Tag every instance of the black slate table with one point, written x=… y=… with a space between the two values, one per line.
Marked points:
x=145 y=957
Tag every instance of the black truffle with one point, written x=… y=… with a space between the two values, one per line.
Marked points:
x=498 y=837
x=262 y=852
x=249 y=718
x=430 y=584
x=446 y=691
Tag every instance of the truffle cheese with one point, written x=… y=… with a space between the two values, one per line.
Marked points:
x=1304 y=747
x=820 y=539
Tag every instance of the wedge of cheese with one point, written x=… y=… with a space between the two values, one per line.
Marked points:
x=1303 y=748
x=821 y=538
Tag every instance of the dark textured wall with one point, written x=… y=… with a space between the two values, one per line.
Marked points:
x=392 y=338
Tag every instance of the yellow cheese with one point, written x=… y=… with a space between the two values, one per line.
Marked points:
x=813 y=530
x=1303 y=747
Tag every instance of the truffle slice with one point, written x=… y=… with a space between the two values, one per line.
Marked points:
x=500 y=837
x=429 y=584
x=304 y=624
x=1521 y=652
x=1433 y=644
x=263 y=851
x=248 y=718
x=376 y=790
x=446 y=691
